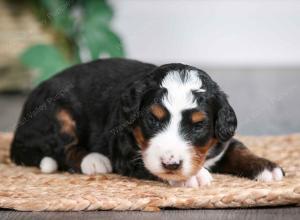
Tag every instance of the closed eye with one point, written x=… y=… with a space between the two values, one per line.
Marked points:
x=198 y=125
x=153 y=121
x=154 y=118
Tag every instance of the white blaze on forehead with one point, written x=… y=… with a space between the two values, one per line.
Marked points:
x=180 y=96
x=169 y=142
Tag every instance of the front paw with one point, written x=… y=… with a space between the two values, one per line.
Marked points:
x=94 y=163
x=268 y=175
x=202 y=178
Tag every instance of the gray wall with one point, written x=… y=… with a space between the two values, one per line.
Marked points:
x=211 y=33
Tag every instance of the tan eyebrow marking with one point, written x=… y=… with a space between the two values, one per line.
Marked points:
x=158 y=111
x=197 y=117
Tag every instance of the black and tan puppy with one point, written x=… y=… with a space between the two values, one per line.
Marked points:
x=171 y=123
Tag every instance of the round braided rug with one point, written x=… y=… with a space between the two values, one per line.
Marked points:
x=27 y=189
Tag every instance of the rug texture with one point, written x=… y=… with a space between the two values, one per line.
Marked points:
x=27 y=189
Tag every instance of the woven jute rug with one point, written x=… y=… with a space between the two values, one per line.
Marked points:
x=27 y=189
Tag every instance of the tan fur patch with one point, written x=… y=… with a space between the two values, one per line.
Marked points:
x=74 y=154
x=158 y=111
x=140 y=139
x=199 y=154
x=197 y=117
x=66 y=122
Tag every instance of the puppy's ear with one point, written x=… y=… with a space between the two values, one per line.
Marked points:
x=132 y=98
x=226 y=121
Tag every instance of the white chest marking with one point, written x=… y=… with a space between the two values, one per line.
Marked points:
x=211 y=162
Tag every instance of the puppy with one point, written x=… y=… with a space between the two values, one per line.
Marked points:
x=170 y=123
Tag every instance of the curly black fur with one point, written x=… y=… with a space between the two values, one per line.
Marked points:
x=106 y=99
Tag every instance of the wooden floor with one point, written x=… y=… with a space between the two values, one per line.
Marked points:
x=266 y=102
x=287 y=213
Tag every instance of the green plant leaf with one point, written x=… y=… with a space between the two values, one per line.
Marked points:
x=46 y=59
x=58 y=13
x=102 y=42
x=83 y=24
x=98 y=11
x=95 y=34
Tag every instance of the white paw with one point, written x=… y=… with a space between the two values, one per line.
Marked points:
x=48 y=165
x=202 y=178
x=266 y=175
x=95 y=163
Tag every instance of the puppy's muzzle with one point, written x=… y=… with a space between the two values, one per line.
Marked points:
x=170 y=163
x=172 y=166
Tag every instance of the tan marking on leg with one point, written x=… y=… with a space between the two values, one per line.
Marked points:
x=66 y=121
x=74 y=154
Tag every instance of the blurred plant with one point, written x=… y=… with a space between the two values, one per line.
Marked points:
x=82 y=31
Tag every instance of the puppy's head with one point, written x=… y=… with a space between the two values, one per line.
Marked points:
x=182 y=114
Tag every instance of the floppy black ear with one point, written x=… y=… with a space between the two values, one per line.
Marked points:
x=226 y=121
x=131 y=99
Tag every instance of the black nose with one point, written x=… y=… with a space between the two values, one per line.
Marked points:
x=171 y=166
